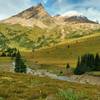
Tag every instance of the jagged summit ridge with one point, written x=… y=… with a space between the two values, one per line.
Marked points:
x=38 y=16
x=33 y=12
x=34 y=16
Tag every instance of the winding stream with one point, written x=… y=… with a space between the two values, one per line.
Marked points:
x=43 y=73
x=83 y=79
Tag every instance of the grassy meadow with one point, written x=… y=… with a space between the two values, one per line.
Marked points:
x=67 y=52
x=53 y=58
x=27 y=87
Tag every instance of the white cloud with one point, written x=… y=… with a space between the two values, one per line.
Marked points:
x=72 y=13
x=88 y=8
x=44 y=1
x=11 y=7
x=92 y=13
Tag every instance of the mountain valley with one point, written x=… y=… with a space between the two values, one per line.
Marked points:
x=49 y=45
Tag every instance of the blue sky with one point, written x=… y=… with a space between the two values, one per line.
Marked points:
x=89 y=8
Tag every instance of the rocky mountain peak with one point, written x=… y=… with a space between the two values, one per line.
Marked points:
x=33 y=12
x=38 y=16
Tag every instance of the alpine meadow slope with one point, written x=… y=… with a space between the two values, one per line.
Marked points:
x=39 y=53
x=35 y=29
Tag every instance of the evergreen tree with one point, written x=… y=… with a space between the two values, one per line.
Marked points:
x=80 y=68
x=87 y=63
x=78 y=62
x=19 y=64
x=68 y=66
x=3 y=54
x=97 y=62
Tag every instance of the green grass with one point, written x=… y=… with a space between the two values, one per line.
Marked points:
x=5 y=59
x=95 y=73
x=68 y=52
x=56 y=69
x=55 y=58
x=27 y=87
x=72 y=95
x=28 y=38
x=5 y=64
x=56 y=53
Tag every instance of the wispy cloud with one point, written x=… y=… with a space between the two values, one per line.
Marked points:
x=89 y=8
x=11 y=7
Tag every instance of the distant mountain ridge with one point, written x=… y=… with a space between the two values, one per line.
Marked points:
x=42 y=30
x=38 y=16
x=81 y=19
x=34 y=16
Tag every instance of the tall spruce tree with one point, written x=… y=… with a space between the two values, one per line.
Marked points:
x=87 y=63
x=20 y=67
x=78 y=62
x=68 y=66
x=80 y=68
x=97 y=62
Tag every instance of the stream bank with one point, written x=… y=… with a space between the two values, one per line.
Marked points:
x=83 y=79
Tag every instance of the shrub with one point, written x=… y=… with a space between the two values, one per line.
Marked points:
x=71 y=95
